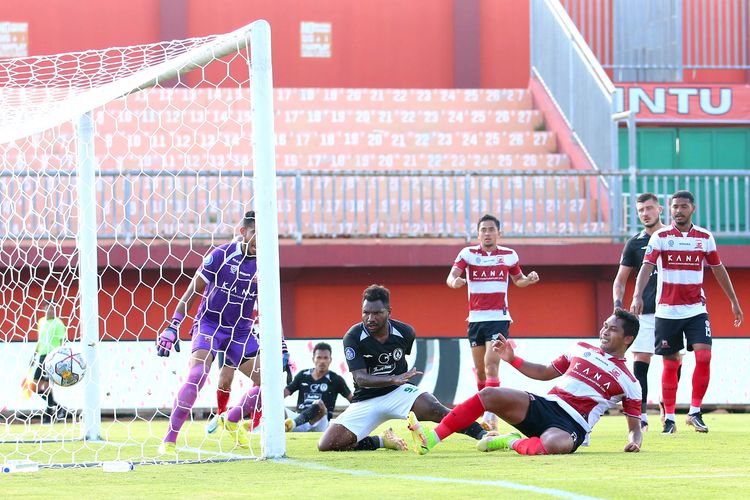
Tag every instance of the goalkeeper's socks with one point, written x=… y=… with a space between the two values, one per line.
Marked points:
x=460 y=417
x=529 y=446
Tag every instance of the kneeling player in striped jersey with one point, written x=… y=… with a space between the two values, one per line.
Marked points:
x=593 y=381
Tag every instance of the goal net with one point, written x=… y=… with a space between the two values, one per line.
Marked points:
x=120 y=171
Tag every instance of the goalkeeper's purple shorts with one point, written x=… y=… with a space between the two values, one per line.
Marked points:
x=237 y=346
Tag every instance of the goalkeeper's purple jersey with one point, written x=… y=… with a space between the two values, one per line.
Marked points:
x=231 y=289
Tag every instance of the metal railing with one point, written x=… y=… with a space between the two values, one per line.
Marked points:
x=160 y=207
x=648 y=40
x=574 y=79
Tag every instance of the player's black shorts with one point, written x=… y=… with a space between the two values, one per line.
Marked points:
x=668 y=333
x=544 y=414
x=486 y=331
x=40 y=372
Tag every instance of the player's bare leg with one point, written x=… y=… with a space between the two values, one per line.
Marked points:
x=492 y=372
x=200 y=365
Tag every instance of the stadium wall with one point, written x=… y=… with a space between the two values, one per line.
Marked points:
x=374 y=43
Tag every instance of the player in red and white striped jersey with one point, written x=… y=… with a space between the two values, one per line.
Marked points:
x=594 y=380
x=488 y=266
x=680 y=252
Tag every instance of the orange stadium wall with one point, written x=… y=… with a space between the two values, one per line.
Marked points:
x=321 y=286
x=375 y=43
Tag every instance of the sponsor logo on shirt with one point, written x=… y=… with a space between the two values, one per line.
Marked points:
x=649 y=249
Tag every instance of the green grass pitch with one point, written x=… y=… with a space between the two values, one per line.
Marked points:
x=685 y=465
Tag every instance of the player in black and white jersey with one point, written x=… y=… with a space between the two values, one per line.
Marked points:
x=318 y=389
x=375 y=351
x=649 y=213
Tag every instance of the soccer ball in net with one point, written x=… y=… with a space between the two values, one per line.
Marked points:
x=65 y=367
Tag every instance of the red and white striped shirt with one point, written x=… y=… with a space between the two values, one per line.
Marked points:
x=679 y=258
x=487 y=281
x=592 y=383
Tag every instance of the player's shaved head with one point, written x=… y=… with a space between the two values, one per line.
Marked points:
x=373 y=293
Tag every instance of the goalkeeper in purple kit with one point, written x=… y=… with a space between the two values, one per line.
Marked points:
x=227 y=283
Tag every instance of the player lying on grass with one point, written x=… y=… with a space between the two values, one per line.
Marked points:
x=593 y=381
x=375 y=351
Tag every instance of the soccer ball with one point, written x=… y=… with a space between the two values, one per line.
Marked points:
x=65 y=366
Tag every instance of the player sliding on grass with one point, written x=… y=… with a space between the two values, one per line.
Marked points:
x=227 y=282
x=375 y=351
x=593 y=381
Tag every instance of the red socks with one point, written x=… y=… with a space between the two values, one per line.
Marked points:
x=222 y=399
x=480 y=385
x=701 y=376
x=529 y=446
x=460 y=417
x=493 y=382
x=669 y=384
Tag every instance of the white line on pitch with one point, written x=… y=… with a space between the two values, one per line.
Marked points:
x=431 y=479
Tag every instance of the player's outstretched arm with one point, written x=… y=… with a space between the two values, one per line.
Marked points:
x=523 y=280
x=454 y=279
x=634 y=435
x=636 y=307
x=532 y=370
x=721 y=275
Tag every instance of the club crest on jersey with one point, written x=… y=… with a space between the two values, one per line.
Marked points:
x=209 y=258
x=349 y=353
x=699 y=245
x=479 y=260
x=670 y=243
x=398 y=354
x=234 y=268
x=586 y=354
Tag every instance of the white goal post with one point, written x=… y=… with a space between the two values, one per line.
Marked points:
x=115 y=182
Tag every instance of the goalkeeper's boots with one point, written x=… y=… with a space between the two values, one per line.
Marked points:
x=392 y=442
x=424 y=439
x=237 y=429
x=168 y=448
x=495 y=442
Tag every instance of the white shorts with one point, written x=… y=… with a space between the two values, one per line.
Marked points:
x=644 y=342
x=364 y=416
x=319 y=426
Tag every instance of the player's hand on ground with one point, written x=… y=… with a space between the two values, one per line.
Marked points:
x=458 y=282
x=632 y=448
x=167 y=339
x=636 y=307
x=738 y=316
x=404 y=377
x=504 y=348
